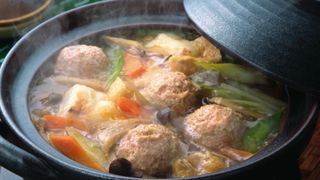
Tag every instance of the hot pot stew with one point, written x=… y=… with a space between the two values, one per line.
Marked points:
x=155 y=103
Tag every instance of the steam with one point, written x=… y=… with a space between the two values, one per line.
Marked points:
x=87 y=25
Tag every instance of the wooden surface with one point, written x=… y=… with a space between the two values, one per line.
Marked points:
x=310 y=159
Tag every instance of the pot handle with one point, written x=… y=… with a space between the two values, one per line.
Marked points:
x=22 y=162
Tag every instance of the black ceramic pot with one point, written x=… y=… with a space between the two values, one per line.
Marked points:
x=30 y=55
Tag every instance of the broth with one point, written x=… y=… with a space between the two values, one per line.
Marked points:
x=155 y=103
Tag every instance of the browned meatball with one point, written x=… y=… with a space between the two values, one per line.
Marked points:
x=170 y=89
x=213 y=126
x=150 y=148
x=82 y=61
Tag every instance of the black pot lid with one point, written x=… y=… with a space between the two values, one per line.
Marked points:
x=280 y=37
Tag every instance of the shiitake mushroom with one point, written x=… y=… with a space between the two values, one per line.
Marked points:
x=205 y=101
x=52 y=99
x=121 y=166
x=164 y=115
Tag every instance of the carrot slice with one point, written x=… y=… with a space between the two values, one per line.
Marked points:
x=129 y=106
x=133 y=66
x=71 y=148
x=55 y=122
x=58 y=122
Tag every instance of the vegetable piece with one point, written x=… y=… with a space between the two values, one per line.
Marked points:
x=258 y=94
x=91 y=105
x=116 y=56
x=205 y=101
x=55 y=122
x=206 y=162
x=133 y=66
x=182 y=168
x=51 y=99
x=58 y=122
x=206 y=78
x=121 y=166
x=93 y=149
x=125 y=88
x=129 y=106
x=253 y=95
x=92 y=83
x=71 y=148
x=110 y=132
x=235 y=154
x=136 y=92
x=164 y=115
x=255 y=137
x=125 y=43
x=235 y=72
x=249 y=108
x=119 y=89
x=197 y=163
x=248 y=101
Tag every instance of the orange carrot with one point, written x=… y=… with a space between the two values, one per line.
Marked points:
x=71 y=148
x=58 y=122
x=133 y=66
x=55 y=122
x=129 y=106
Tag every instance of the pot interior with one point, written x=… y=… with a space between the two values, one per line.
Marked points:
x=33 y=58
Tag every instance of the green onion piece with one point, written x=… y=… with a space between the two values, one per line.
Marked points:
x=245 y=95
x=259 y=94
x=255 y=137
x=245 y=100
x=235 y=72
x=254 y=110
x=116 y=56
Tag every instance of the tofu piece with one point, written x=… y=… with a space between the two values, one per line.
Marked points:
x=208 y=52
x=86 y=103
x=169 y=44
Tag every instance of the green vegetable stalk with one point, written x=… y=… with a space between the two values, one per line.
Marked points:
x=249 y=108
x=268 y=102
x=255 y=137
x=245 y=100
x=235 y=72
x=116 y=56
x=258 y=94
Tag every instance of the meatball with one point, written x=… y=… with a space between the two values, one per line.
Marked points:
x=83 y=61
x=213 y=126
x=170 y=89
x=150 y=148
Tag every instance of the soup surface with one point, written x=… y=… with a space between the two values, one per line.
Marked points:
x=156 y=103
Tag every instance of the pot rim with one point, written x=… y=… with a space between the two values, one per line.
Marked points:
x=44 y=154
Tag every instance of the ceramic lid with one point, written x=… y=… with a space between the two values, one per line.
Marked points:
x=280 y=37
